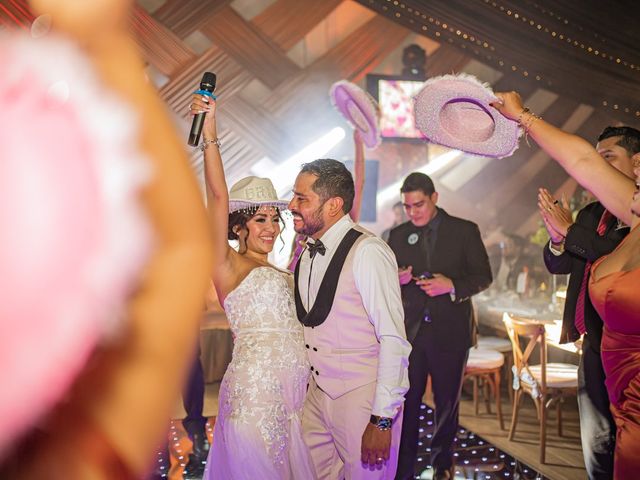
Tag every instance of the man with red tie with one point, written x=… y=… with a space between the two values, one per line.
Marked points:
x=573 y=247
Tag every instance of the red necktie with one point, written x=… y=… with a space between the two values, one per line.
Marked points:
x=579 y=319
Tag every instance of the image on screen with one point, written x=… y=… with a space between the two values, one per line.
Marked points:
x=395 y=98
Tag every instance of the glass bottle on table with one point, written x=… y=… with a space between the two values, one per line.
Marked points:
x=522 y=283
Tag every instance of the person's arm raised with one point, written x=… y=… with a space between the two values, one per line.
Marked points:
x=575 y=155
x=215 y=183
x=358 y=176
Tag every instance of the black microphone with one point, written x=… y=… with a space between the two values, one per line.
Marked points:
x=208 y=84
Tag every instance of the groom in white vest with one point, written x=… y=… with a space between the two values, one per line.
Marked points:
x=348 y=299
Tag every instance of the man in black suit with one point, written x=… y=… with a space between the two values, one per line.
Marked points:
x=443 y=262
x=573 y=247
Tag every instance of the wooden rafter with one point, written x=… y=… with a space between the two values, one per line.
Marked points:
x=183 y=17
x=352 y=58
x=255 y=52
x=286 y=22
x=159 y=45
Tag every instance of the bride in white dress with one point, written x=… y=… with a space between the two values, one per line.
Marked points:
x=257 y=433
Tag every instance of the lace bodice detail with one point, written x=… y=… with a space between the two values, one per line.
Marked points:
x=262 y=301
x=265 y=383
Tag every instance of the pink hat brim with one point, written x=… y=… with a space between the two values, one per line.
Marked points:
x=455 y=111
x=359 y=109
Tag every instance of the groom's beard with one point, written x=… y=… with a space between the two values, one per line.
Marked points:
x=313 y=224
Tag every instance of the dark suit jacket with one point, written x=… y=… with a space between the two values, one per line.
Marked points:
x=458 y=254
x=583 y=243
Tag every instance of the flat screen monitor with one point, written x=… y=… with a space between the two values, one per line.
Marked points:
x=395 y=94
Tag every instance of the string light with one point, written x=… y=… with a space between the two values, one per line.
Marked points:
x=469 y=42
x=458 y=34
x=562 y=37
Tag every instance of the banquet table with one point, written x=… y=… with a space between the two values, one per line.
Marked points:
x=216 y=345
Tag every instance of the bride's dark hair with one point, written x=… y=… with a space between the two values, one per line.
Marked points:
x=239 y=218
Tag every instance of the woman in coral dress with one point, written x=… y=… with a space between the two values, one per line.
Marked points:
x=615 y=279
x=615 y=293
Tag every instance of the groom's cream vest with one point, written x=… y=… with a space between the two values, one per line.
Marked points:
x=343 y=350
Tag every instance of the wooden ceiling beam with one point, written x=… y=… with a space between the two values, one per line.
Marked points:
x=159 y=45
x=351 y=59
x=231 y=79
x=258 y=127
x=249 y=47
x=446 y=60
x=183 y=17
x=286 y=22
x=16 y=13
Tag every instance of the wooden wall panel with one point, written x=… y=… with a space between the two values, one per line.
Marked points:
x=185 y=16
x=361 y=51
x=446 y=59
x=258 y=127
x=307 y=93
x=230 y=79
x=159 y=45
x=253 y=50
x=237 y=154
x=287 y=22
x=15 y=13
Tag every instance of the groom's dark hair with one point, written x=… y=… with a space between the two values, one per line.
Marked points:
x=333 y=180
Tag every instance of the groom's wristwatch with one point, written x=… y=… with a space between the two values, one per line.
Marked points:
x=382 y=423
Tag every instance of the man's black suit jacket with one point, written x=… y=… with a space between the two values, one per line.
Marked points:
x=581 y=244
x=458 y=254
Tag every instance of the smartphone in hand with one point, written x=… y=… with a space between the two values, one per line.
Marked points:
x=423 y=276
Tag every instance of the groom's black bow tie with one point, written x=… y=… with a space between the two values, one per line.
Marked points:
x=317 y=247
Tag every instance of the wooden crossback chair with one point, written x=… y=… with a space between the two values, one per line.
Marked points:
x=546 y=383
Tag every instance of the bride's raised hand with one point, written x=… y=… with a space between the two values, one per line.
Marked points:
x=204 y=104
x=215 y=183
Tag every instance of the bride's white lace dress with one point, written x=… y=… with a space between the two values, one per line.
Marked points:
x=257 y=434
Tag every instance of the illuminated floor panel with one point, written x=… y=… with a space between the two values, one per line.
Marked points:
x=474 y=457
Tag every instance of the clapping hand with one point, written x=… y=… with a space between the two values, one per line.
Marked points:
x=557 y=217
